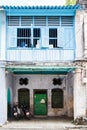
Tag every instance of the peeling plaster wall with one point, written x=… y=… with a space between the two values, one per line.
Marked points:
x=45 y=82
x=69 y=84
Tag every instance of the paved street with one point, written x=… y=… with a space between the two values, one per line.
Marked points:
x=43 y=124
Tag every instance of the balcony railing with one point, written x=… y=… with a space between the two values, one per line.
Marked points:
x=39 y=55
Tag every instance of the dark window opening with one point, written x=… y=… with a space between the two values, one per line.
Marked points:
x=24 y=37
x=24 y=97
x=53 y=37
x=57 y=98
x=36 y=37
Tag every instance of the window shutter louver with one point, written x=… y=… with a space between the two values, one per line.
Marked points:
x=26 y=21
x=53 y=21
x=13 y=21
x=40 y=21
x=67 y=21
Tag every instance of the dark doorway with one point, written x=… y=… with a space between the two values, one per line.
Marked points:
x=24 y=97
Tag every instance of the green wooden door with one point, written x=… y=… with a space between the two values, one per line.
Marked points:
x=40 y=104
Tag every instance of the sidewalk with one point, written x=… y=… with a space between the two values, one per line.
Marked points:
x=43 y=124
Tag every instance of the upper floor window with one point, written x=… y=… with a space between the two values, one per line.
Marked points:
x=27 y=37
x=53 y=37
x=36 y=37
x=40 y=31
x=23 y=37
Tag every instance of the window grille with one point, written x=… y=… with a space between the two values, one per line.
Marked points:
x=66 y=21
x=13 y=21
x=53 y=21
x=40 y=21
x=26 y=21
x=23 y=37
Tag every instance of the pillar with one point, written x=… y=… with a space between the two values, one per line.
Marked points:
x=2 y=34
x=79 y=34
x=3 y=97
x=79 y=95
x=85 y=33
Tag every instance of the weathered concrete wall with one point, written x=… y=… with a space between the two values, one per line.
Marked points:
x=80 y=76
x=79 y=34
x=70 y=85
x=2 y=35
x=3 y=97
x=79 y=95
x=44 y=82
x=85 y=33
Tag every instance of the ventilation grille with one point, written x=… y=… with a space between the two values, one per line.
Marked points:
x=67 y=21
x=40 y=21
x=53 y=21
x=13 y=21
x=26 y=21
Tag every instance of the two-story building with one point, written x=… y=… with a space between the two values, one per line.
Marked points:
x=40 y=60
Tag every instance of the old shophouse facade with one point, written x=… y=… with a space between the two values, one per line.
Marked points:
x=43 y=60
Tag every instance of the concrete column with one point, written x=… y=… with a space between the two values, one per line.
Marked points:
x=2 y=34
x=49 y=102
x=85 y=33
x=31 y=100
x=3 y=97
x=79 y=95
x=79 y=34
x=86 y=89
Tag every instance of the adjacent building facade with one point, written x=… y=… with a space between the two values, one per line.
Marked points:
x=43 y=60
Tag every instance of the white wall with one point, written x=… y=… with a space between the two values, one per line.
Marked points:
x=3 y=97
x=3 y=35
x=79 y=95
x=79 y=18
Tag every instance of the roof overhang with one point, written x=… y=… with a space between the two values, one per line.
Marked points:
x=40 y=10
x=63 y=70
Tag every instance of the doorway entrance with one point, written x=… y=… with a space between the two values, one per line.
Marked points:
x=40 y=102
x=24 y=97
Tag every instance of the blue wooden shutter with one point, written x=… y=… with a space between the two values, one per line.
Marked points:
x=12 y=37
x=69 y=38
x=45 y=37
x=61 y=37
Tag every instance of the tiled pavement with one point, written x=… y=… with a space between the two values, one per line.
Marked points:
x=43 y=124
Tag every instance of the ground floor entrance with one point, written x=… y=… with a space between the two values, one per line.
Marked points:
x=50 y=91
x=40 y=102
x=43 y=94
